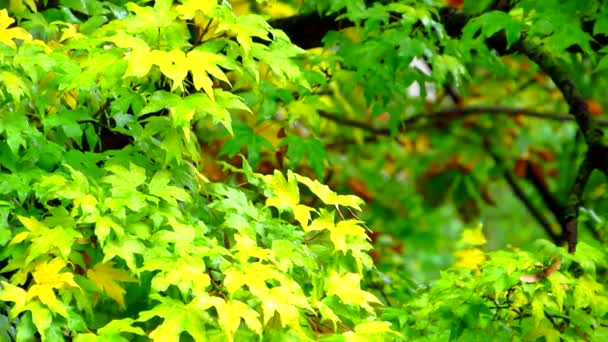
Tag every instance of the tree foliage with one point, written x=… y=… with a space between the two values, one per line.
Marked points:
x=302 y=170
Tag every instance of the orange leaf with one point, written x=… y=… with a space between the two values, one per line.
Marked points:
x=594 y=107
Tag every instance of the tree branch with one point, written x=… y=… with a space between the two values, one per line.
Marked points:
x=578 y=107
x=550 y=201
x=521 y=195
x=448 y=114
x=575 y=200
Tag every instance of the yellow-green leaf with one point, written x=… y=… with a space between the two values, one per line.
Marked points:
x=286 y=193
x=473 y=237
x=347 y=288
x=106 y=277
x=15 y=294
x=328 y=196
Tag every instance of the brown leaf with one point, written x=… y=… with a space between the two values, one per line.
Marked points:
x=521 y=165
x=485 y=195
x=360 y=189
x=553 y=173
x=545 y=154
x=455 y=3
x=537 y=172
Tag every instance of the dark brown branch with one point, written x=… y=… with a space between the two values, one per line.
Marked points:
x=307 y=30
x=448 y=114
x=521 y=195
x=549 y=199
x=575 y=200
x=578 y=107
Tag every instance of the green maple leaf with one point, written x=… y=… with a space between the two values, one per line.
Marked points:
x=245 y=27
x=115 y=327
x=177 y=318
x=121 y=177
x=309 y=148
x=187 y=274
x=244 y=136
x=492 y=22
x=159 y=186
x=196 y=106
x=14 y=124
x=150 y=18
x=125 y=248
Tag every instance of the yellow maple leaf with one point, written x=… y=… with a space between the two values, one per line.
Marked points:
x=348 y=288
x=47 y=278
x=286 y=193
x=172 y=64
x=473 y=237
x=188 y=8
x=344 y=229
x=7 y=35
x=106 y=277
x=204 y=63
x=328 y=196
x=470 y=258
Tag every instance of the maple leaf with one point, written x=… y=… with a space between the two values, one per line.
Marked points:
x=47 y=279
x=122 y=177
x=172 y=64
x=15 y=294
x=245 y=27
x=203 y=63
x=188 y=8
x=470 y=258
x=159 y=186
x=328 y=196
x=106 y=277
x=139 y=60
x=230 y=314
x=344 y=229
x=188 y=273
x=178 y=317
x=473 y=237
x=274 y=301
x=8 y=35
x=347 y=288
x=286 y=193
